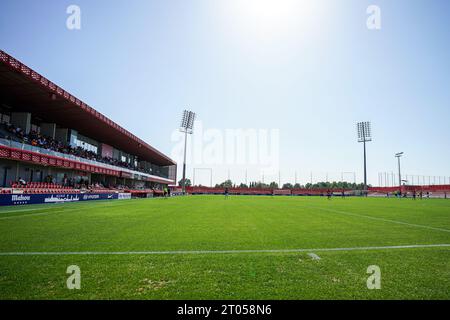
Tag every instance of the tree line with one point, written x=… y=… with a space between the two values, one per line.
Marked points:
x=274 y=185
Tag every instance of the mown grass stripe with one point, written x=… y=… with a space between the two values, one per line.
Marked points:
x=378 y=219
x=414 y=246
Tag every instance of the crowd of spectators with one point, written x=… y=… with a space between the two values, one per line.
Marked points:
x=70 y=183
x=38 y=140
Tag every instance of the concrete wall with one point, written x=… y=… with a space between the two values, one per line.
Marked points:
x=21 y=120
x=48 y=129
x=62 y=135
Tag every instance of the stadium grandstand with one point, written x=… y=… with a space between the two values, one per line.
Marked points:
x=53 y=143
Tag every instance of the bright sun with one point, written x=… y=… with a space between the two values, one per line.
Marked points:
x=272 y=16
x=268 y=11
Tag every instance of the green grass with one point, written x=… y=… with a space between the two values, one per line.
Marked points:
x=210 y=223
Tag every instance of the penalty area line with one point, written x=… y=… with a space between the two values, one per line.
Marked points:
x=204 y=252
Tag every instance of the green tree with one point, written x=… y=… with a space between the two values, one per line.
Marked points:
x=188 y=182
x=226 y=184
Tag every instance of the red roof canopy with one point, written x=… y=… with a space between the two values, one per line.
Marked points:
x=27 y=91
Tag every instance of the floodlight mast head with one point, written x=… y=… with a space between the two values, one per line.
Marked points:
x=364 y=135
x=364 y=131
x=187 y=126
x=398 y=155
x=187 y=122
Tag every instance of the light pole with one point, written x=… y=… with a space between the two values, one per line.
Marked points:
x=364 y=135
x=187 y=126
x=398 y=156
x=279 y=179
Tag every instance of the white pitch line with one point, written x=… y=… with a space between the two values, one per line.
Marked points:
x=66 y=209
x=20 y=210
x=41 y=213
x=199 y=252
x=33 y=214
x=380 y=219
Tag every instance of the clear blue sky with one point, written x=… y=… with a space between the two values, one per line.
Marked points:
x=311 y=69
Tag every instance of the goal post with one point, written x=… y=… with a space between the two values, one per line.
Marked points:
x=195 y=170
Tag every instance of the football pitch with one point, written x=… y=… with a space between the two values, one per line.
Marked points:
x=206 y=247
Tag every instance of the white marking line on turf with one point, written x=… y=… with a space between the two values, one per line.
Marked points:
x=380 y=219
x=39 y=214
x=62 y=210
x=21 y=210
x=414 y=246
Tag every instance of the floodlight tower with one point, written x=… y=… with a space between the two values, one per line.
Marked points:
x=187 y=126
x=398 y=156
x=364 y=135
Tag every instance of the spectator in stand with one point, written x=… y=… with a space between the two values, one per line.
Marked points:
x=65 y=181
x=22 y=182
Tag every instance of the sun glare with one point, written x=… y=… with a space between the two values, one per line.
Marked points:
x=267 y=10
x=268 y=16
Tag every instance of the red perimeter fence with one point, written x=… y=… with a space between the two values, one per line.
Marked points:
x=295 y=192
x=255 y=191
x=405 y=189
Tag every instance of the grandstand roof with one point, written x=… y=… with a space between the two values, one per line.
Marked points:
x=27 y=91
